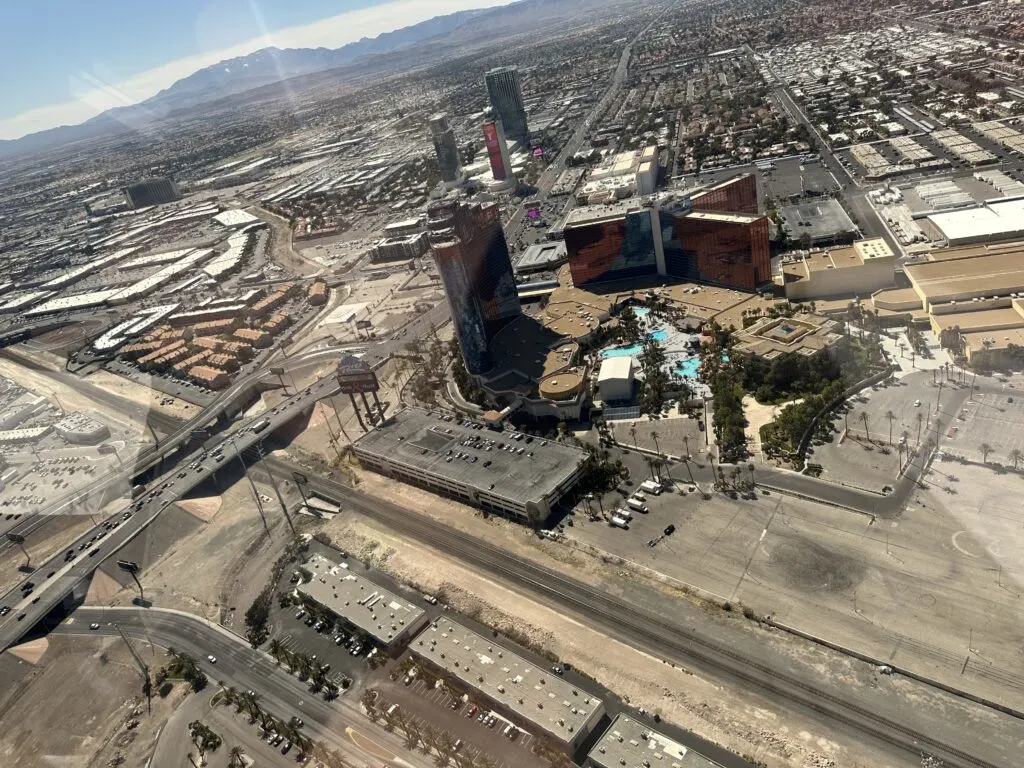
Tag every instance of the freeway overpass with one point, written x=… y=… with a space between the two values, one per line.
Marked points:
x=63 y=579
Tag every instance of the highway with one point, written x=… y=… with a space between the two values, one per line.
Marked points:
x=54 y=580
x=281 y=693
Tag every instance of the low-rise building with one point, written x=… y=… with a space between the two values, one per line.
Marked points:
x=615 y=380
x=375 y=613
x=630 y=743
x=400 y=248
x=856 y=270
x=209 y=377
x=525 y=692
x=317 y=294
x=257 y=338
x=81 y=428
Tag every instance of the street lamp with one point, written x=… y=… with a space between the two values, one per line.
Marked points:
x=133 y=568
x=17 y=538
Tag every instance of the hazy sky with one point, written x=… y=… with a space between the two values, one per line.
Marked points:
x=64 y=61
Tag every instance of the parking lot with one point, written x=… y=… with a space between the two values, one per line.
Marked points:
x=861 y=459
x=993 y=420
x=439 y=708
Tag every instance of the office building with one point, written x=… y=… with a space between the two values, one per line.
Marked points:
x=374 y=612
x=469 y=247
x=668 y=234
x=151 y=192
x=523 y=479
x=497 y=152
x=630 y=743
x=521 y=690
x=446 y=148
x=507 y=99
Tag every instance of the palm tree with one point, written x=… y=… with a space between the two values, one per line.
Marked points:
x=891 y=417
x=632 y=434
x=864 y=418
x=686 y=442
x=920 y=421
x=654 y=437
x=235 y=757
x=1016 y=457
x=985 y=449
x=276 y=649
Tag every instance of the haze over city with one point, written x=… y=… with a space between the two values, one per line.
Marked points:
x=542 y=384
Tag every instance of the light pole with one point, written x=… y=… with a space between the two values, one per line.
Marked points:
x=133 y=568
x=252 y=485
x=17 y=538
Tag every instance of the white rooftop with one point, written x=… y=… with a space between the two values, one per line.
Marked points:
x=236 y=217
x=616 y=369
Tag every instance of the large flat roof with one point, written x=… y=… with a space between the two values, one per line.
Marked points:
x=998 y=219
x=995 y=274
x=423 y=441
x=632 y=744
x=381 y=614
x=969 y=322
x=530 y=691
x=821 y=219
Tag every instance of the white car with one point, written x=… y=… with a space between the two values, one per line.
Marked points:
x=94 y=625
x=917 y=403
x=212 y=659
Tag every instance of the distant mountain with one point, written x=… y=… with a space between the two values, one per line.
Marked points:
x=234 y=76
x=264 y=70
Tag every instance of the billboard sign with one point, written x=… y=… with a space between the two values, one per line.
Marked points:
x=355 y=376
x=493 y=143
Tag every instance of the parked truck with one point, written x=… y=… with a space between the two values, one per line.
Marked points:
x=618 y=522
x=650 y=486
x=637 y=505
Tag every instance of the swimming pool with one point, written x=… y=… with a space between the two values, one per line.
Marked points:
x=634 y=350
x=641 y=311
x=688 y=368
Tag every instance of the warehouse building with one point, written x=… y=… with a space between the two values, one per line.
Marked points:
x=528 y=694
x=615 y=381
x=505 y=473
x=633 y=744
x=385 y=618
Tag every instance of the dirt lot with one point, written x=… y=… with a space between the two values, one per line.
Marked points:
x=738 y=722
x=214 y=565
x=44 y=723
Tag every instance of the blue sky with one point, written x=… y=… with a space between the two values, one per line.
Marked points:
x=67 y=60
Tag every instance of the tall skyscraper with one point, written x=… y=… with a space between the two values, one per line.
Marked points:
x=446 y=148
x=507 y=99
x=469 y=247
x=497 y=148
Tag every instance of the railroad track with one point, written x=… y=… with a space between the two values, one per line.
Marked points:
x=651 y=632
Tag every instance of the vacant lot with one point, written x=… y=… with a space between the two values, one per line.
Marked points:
x=70 y=710
x=908 y=590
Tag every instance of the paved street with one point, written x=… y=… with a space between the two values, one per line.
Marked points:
x=340 y=723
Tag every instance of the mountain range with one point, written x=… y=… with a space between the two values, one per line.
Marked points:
x=273 y=65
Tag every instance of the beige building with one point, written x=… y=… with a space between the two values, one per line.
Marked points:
x=855 y=270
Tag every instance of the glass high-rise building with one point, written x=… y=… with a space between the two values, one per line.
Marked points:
x=507 y=99
x=714 y=236
x=447 y=150
x=469 y=247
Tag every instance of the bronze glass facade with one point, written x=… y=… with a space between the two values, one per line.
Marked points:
x=612 y=250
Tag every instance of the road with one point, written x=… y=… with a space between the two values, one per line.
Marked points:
x=281 y=693
x=693 y=647
x=54 y=580
x=550 y=175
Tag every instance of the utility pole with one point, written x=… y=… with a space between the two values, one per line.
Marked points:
x=252 y=486
x=133 y=568
x=147 y=683
x=273 y=482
